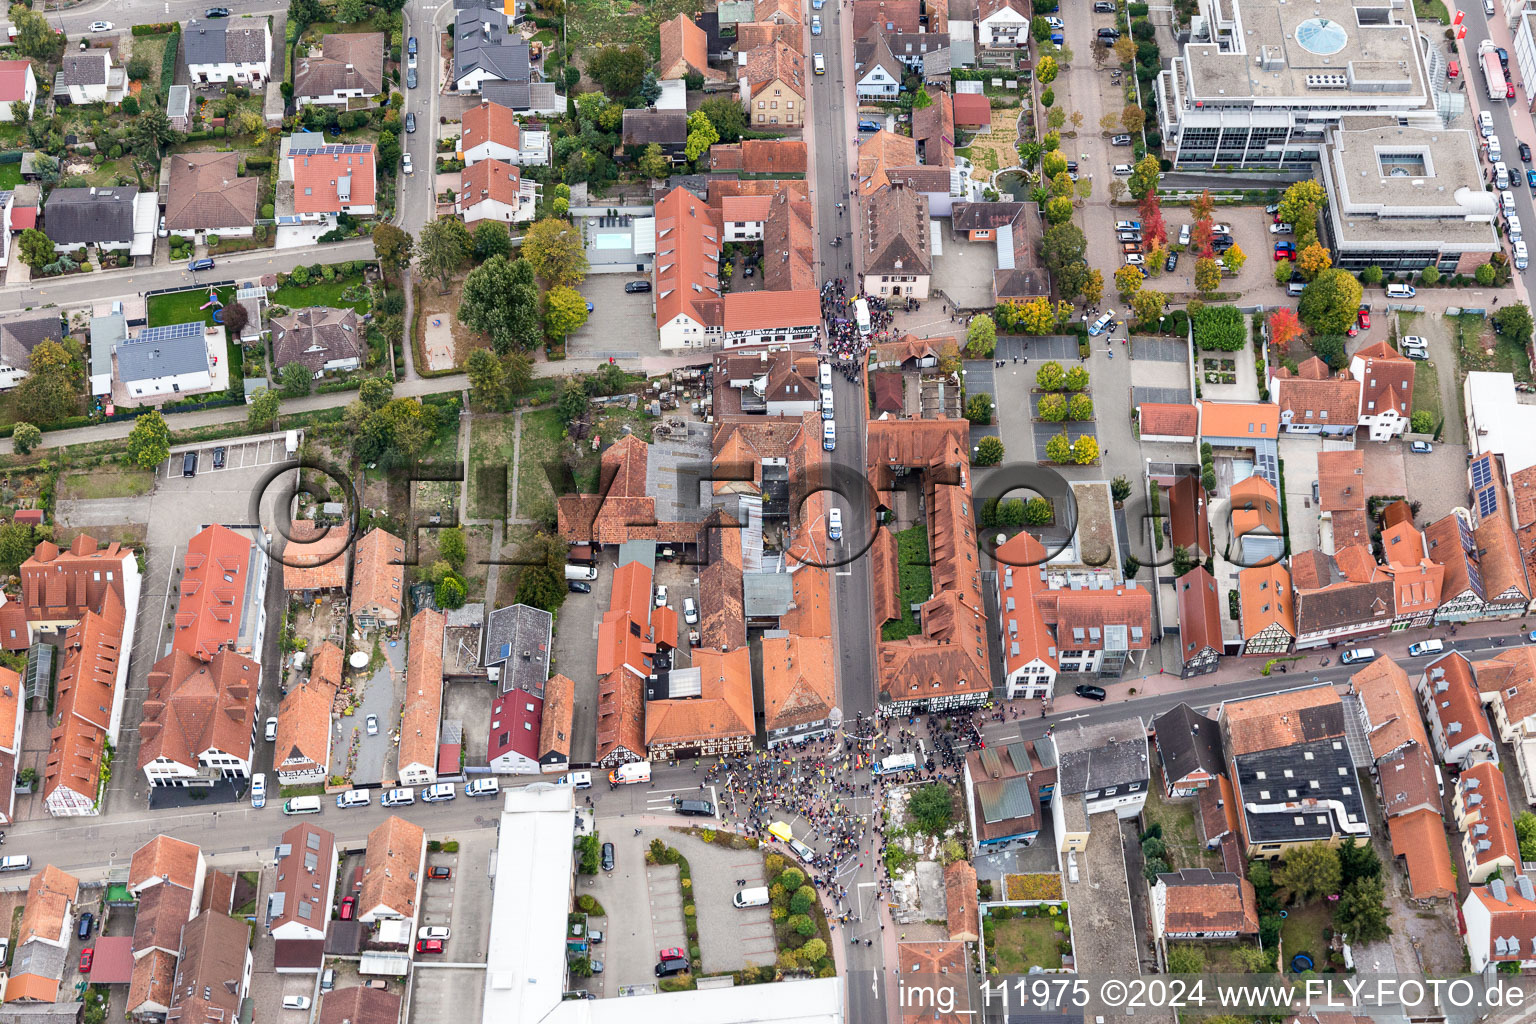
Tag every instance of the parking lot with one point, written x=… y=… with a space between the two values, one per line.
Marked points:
x=609 y=331
x=459 y=900
x=216 y=457
x=644 y=905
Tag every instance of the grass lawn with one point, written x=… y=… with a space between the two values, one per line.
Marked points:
x=1431 y=10
x=107 y=482
x=621 y=22
x=10 y=176
x=1024 y=942
x=916 y=580
x=324 y=293
x=1506 y=357
x=1182 y=836
x=1302 y=932
x=490 y=464
x=151 y=48
x=1426 y=388
x=542 y=442
x=182 y=307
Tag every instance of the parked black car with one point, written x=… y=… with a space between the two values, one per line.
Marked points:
x=667 y=968
x=635 y=287
x=410 y=123
x=578 y=587
x=1172 y=263
x=607 y=856
x=189 y=464
x=86 y=921
x=1091 y=692
x=696 y=808
x=217 y=12
x=218 y=457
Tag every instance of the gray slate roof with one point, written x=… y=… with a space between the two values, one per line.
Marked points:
x=165 y=357
x=20 y=335
x=645 y=126
x=88 y=68
x=504 y=54
x=223 y=42
x=1187 y=742
x=520 y=628
x=81 y=216
x=107 y=332
x=1091 y=757
x=316 y=336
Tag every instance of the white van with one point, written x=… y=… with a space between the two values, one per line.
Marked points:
x=398 y=798
x=1401 y=291
x=835 y=523
x=353 y=798
x=1123 y=170
x=439 y=792
x=482 y=787
x=302 y=805
x=1500 y=176
x=825 y=374
x=829 y=435
x=1507 y=202
x=756 y=897
x=826 y=403
x=1358 y=655
x=1425 y=648
x=1522 y=256
x=1495 y=149
x=631 y=772
x=1514 y=229
x=821 y=63
x=18 y=863
x=259 y=790
x=580 y=572
x=581 y=780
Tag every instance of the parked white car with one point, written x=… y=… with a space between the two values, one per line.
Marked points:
x=1282 y=229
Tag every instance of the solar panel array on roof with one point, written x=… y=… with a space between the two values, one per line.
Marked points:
x=170 y=332
x=1482 y=472
x=1487 y=502
x=328 y=150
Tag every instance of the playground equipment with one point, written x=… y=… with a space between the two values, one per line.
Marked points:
x=1301 y=963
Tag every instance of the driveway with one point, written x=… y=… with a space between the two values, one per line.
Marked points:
x=575 y=643
x=375 y=754
x=1298 y=453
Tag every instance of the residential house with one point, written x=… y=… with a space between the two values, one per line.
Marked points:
x=492 y=190
x=1006 y=788
x=392 y=873
x=87 y=76
x=877 y=72
x=1267 y=616
x=207 y=196
x=630 y=636
x=1002 y=23
x=315 y=559
x=221 y=604
x=750 y=35
x=779 y=12
x=1255 y=521
x=225 y=50
x=703 y=711
x=1188 y=751
x=1200 y=641
x=879 y=154
x=752 y=158
x=789 y=252
x=933 y=128
x=1313 y=401
x=1244 y=427
x=360 y=1005
x=200 y=719
x=1453 y=707
x=1386 y=396
x=486 y=50
x=1189 y=520
x=771 y=81
x=665 y=128
x=213 y=969
x=299 y=903
x=1333 y=606
x=12 y=718
x=962 y=908
x=890 y=16
x=322 y=339
x=19 y=335
x=165 y=361
x=1500 y=922
x=329 y=180
x=1341 y=498
x=685 y=51
x=687 y=287
x=59 y=586
x=1506 y=683
x=169 y=862
x=379 y=560
x=1417 y=581
x=302 y=752
x=350 y=66
x=90 y=696
x=421 y=719
x=491 y=131
x=1102 y=766
x=517 y=653
x=914 y=48
x=17 y=85
x=1199 y=904
x=43 y=937
x=893 y=234
x=1291 y=771
x=931 y=960
x=1480 y=803
x=1406 y=776
x=1173 y=424
x=103 y=217
x=1484 y=572
x=798 y=690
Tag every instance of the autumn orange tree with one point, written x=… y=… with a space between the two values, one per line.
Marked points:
x=1284 y=328
x=1153 y=229
x=1201 y=241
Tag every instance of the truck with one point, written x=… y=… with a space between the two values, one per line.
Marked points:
x=1499 y=85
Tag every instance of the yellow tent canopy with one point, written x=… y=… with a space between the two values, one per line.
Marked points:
x=781 y=831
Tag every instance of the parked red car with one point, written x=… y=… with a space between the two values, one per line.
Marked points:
x=1453 y=70
x=429 y=945
x=87 y=958
x=348 y=907
x=439 y=873
x=672 y=954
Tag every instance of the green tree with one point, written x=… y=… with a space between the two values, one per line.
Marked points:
x=1128 y=281
x=1119 y=488
x=392 y=247
x=572 y=402
x=1484 y=274
x=564 y=310
x=1330 y=302
x=701 y=135
x=1053 y=408
x=34 y=36
x=619 y=70
x=803 y=900
x=1358 y=860
x=1058 y=210
x=978 y=409
x=349 y=12
x=1038 y=512
x=26 y=437
x=1207 y=276
x=1144 y=176
x=1050 y=376
x=921 y=99
x=17 y=542
x=1059 y=449
x=1422 y=422
x=1312 y=260
x=1301 y=201
x=305 y=12
x=1185 y=958
x=1085 y=450
x=487 y=378
x=1047 y=69
x=1371 y=275
x=541 y=579
x=152 y=131
x=653 y=163
x=931 y=808
x=36 y=249
x=51 y=389
x=1011 y=513
x=813 y=950
x=1233 y=259
x=501 y=298
x=1148 y=305
x=1513 y=321
x=1080 y=408
x=297 y=380
x=726 y=114
x=1309 y=870
x=451 y=545
x=261 y=413
x=149 y=443
x=1430 y=275
x=490 y=238
x=445 y=245
x=376 y=392
x=989 y=451
x=1152 y=868
x=1525 y=831
x=1061 y=246
x=450 y=593
x=556 y=252
x=981 y=337
x=1362 y=912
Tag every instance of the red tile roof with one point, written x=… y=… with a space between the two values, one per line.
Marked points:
x=759 y=156
x=1266 y=599
x=685 y=48
x=722 y=711
x=1019 y=580
x=60 y=585
x=747 y=311
x=1241 y=420
x=165 y=859
x=193 y=707
x=1419 y=838
x=1199 y=613
x=423 y=711
x=687 y=260
x=1163 y=420
x=489 y=122
x=797 y=680
x=212 y=592
x=1493 y=812
x=314 y=557
x=391 y=867
x=318 y=179
x=86 y=689
x=972 y=109
x=377 y=573
x=1386 y=380
x=13 y=80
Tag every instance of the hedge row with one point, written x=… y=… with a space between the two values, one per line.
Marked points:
x=10 y=156
x=258 y=163
x=167 y=63
x=157 y=29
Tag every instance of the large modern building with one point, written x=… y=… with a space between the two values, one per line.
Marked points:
x=1260 y=83
x=1402 y=197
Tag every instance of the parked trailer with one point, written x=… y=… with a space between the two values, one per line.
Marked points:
x=1499 y=85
